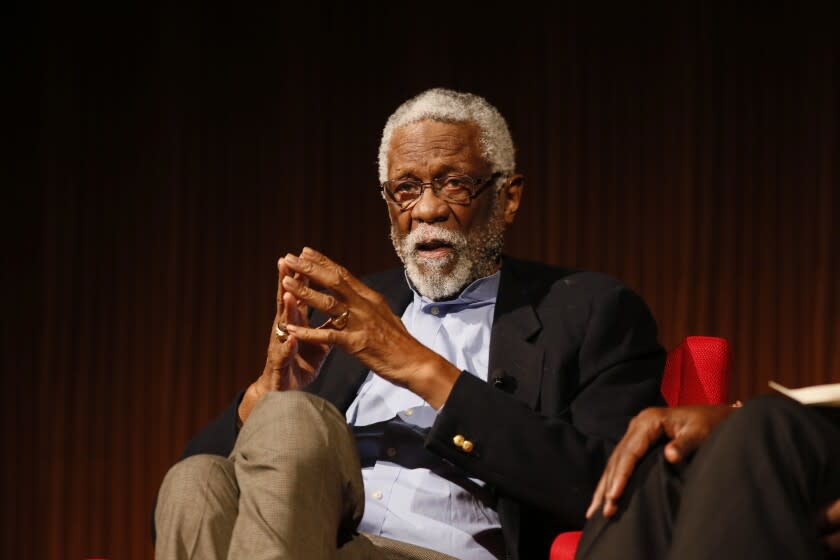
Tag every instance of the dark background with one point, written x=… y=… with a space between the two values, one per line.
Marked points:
x=167 y=155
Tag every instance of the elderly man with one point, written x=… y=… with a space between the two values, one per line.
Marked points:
x=462 y=406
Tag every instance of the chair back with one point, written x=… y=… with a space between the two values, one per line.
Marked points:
x=697 y=372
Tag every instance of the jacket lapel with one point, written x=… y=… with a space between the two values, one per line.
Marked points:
x=516 y=365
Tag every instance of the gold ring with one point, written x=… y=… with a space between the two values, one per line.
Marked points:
x=340 y=321
x=281 y=333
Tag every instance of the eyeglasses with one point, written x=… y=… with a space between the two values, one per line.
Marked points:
x=454 y=189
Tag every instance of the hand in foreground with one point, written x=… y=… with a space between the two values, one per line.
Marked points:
x=371 y=332
x=829 y=524
x=686 y=427
x=291 y=363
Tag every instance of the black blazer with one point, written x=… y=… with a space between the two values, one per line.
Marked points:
x=573 y=357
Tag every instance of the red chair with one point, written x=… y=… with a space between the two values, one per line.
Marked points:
x=696 y=372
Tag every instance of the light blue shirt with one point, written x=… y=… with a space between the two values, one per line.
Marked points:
x=412 y=495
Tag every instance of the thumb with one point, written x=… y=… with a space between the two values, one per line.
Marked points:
x=684 y=444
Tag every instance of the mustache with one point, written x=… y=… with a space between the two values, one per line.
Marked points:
x=427 y=233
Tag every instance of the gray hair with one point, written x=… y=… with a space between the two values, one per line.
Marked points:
x=446 y=105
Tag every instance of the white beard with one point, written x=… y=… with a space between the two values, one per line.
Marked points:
x=473 y=256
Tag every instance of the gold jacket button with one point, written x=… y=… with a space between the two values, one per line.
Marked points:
x=458 y=440
x=467 y=446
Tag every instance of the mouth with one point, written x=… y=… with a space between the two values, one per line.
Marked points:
x=433 y=249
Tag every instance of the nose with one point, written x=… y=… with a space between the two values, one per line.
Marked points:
x=429 y=208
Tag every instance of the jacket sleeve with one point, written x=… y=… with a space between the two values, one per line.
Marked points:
x=553 y=461
x=219 y=436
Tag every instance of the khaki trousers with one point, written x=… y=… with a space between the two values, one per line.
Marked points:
x=291 y=489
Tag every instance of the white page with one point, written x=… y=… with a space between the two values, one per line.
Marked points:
x=825 y=395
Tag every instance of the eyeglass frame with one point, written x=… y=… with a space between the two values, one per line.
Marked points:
x=439 y=180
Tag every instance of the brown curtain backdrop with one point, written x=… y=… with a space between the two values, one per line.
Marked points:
x=174 y=152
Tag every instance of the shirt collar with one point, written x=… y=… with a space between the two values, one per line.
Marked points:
x=480 y=292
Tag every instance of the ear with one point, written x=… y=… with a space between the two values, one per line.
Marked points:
x=512 y=190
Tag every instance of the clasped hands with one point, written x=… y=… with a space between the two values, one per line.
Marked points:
x=370 y=331
x=686 y=428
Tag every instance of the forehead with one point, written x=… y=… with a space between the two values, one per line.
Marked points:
x=433 y=145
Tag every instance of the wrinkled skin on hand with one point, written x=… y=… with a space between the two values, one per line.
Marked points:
x=372 y=333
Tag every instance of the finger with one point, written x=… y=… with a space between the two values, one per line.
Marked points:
x=357 y=285
x=677 y=451
x=832 y=542
x=832 y=514
x=636 y=443
x=313 y=298
x=303 y=309
x=290 y=303
x=327 y=337
x=609 y=502
x=673 y=454
x=281 y=348
x=282 y=270
x=597 y=498
x=686 y=442
x=607 y=476
x=625 y=462
x=280 y=352
x=829 y=517
x=324 y=276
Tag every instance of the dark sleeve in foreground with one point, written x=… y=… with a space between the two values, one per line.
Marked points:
x=219 y=436
x=602 y=365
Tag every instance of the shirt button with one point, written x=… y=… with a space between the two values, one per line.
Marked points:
x=458 y=440
x=391 y=452
x=409 y=411
x=377 y=495
x=435 y=310
x=467 y=446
